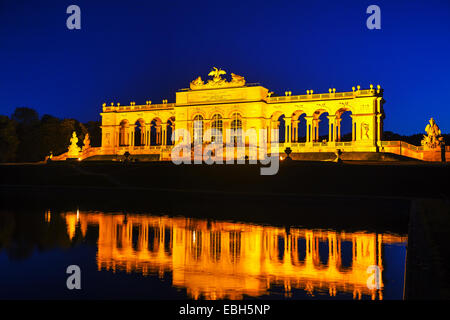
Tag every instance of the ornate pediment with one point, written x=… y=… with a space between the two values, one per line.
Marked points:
x=217 y=81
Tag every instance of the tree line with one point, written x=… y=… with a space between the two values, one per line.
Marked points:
x=24 y=137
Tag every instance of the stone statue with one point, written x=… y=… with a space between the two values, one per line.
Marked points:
x=237 y=79
x=74 y=150
x=338 y=154
x=433 y=137
x=365 y=127
x=197 y=82
x=216 y=74
x=86 y=142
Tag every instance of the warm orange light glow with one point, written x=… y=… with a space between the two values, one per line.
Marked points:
x=48 y=216
x=217 y=260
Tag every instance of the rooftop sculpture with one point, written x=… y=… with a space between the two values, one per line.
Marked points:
x=217 y=81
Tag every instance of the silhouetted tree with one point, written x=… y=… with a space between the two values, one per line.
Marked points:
x=8 y=140
x=95 y=133
x=50 y=139
x=28 y=125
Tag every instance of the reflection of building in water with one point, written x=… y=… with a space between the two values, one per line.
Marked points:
x=218 y=260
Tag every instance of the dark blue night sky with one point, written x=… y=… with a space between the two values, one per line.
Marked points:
x=138 y=50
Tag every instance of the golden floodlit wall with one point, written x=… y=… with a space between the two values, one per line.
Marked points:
x=217 y=260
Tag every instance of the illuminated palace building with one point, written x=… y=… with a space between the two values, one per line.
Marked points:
x=225 y=113
x=217 y=260
x=305 y=123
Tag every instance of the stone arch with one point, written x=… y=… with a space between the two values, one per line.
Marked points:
x=344 y=125
x=320 y=125
x=298 y=127
x=170 y=130
x=124 y=133
x=277 y=123
x=156 y=131
x=230 y=114
x=276 y=115
x=139 y=132
x=198 y=113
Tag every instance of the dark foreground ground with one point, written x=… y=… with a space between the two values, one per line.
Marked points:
x=376 y=196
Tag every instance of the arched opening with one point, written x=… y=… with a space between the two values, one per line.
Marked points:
x=320 y=126
x=298 y=126
x=236 y=129
x=324 y=128
x=344 y=123
x=139 y=133
x=155 y=132
x=198 y=129
x=216 y=128
x=123 y=133
x=170 y=130
x=281 y=129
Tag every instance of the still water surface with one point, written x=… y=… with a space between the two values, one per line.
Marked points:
x=143 y=256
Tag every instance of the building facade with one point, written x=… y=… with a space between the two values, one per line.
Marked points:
x=227 y=108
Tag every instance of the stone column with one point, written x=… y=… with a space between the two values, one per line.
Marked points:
x=309 y=128
x=226 y=124
x=287 y=131
x=379 y=137
x=294 y=130
x=331 y=128
x=338 y=129
x=354 y=128
x=131 y=142
x=158 y=135
x=163 y=134
x=276 y=126
x=206 y=128
x=315 y=130
x=172 y=131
